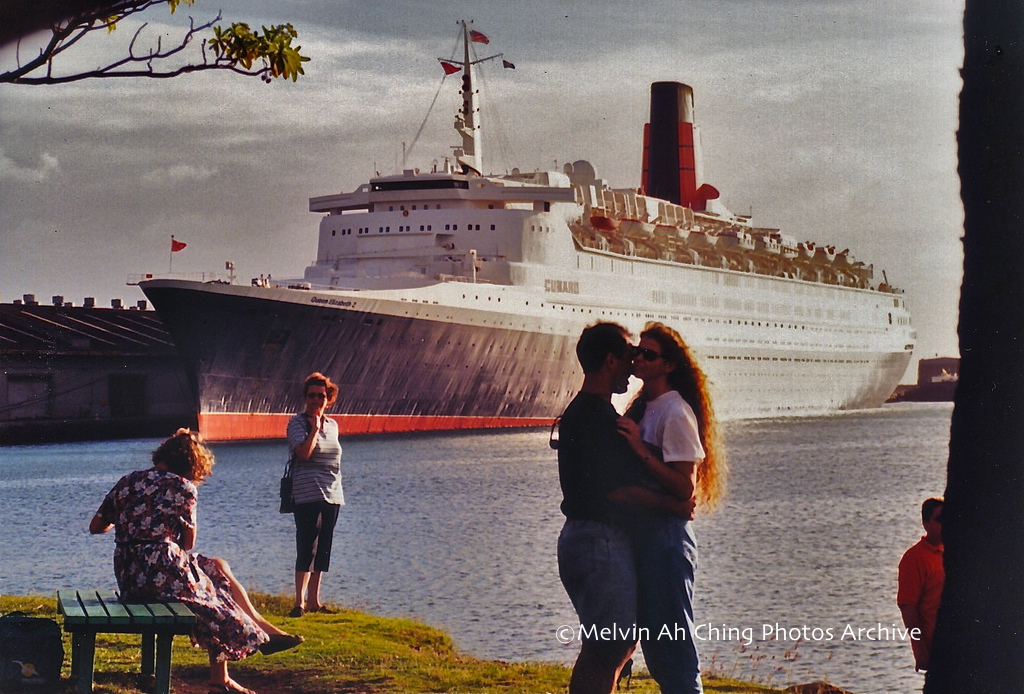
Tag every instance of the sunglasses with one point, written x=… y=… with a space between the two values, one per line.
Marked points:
x=318 y=396
x=649 y=355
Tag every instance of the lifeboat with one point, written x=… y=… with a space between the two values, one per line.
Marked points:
x=701 y=238
x=635 y=219
x=604 y=224
x=670 y=232
x=635 y=228
x=767 y=244
x=735 y=238
x=825 y=254
x=787 y=246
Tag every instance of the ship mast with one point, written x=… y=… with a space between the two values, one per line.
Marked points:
x=466 y=122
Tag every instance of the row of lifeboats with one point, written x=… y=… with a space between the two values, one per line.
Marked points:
x=712 y=242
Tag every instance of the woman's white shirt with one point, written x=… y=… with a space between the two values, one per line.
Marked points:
x=670 y=424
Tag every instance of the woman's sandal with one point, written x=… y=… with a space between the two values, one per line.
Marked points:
x=280 y=642
x=229 y=687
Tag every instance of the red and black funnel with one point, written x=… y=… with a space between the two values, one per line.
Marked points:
x=670 y=166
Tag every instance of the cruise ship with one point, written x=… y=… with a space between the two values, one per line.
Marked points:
x=453 y=299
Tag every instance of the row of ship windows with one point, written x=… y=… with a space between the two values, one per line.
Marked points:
x=650 y=316
x=512 y=324
x=406 y=227
x=437 y=206
x=725 y=357
x=710 y=276
x=661 y=317
x=750 y=306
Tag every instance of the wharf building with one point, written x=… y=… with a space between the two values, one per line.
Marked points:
x=84 y=372
x=937 y=379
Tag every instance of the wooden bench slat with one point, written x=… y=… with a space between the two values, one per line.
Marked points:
x=161 y=613
x=181 y=613
x=117 y=614
x=93 y=606
x=67 y=603
x=139 y=612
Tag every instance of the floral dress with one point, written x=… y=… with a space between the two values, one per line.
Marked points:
x=148 y=509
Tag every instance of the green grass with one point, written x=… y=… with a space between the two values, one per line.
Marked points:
x=346 y=652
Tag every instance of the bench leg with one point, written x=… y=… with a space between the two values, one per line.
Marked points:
x=83 y=659
x=163 y=663
x=148 y=652
x=74 y=655
x=146 y=678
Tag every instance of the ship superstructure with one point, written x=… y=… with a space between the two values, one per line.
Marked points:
x=449 y=299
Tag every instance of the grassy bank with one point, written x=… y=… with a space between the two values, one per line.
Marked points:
x=346 y=652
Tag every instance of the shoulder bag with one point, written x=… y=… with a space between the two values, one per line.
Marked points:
x=287 y=500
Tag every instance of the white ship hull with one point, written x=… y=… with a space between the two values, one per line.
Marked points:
x=770 y=346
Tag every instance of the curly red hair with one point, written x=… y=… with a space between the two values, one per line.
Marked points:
x=689 y=381
x=185 y=454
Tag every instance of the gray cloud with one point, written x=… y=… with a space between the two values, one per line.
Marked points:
x=10 y=170
x=178 y=173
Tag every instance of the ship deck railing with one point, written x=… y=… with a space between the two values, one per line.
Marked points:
x=205 y=276
x=736 y=259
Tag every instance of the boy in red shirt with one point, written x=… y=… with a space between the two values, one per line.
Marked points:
x=921 y=576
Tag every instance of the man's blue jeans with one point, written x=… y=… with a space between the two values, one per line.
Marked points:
x=595 y=563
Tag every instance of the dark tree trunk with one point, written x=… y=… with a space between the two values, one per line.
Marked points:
x=979 y=639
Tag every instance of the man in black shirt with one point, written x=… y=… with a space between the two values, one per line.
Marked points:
x=601 y=487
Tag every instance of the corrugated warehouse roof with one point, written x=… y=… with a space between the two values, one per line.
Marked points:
x=35 y=328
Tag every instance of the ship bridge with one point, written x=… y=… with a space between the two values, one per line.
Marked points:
x=421 y=228
x=412 y=186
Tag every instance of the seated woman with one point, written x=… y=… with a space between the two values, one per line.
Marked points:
x=153 y=513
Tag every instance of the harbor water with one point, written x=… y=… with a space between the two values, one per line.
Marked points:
x=797 y=573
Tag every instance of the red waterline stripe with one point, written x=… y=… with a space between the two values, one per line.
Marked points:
x=224 y=426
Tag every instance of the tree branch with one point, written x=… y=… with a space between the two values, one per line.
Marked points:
x=236 y=48
x=184 y=69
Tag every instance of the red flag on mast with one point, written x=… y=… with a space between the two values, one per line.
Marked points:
x=449 y=68
x=477 y=37
x=177 y=245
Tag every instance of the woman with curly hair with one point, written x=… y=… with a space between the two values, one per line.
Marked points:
x=153 y=514
x=671 y=426
x=316 y=489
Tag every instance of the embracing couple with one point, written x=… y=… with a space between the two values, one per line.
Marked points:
x=630 y=485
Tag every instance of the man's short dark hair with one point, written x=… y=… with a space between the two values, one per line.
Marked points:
x=929 y=506
x=597 y=342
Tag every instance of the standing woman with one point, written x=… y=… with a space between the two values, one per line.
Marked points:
x=316 y=488
x=671 y=426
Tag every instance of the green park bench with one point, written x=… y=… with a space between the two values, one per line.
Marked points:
x=90 y=612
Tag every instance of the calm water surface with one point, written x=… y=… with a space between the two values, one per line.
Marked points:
x=459 y=531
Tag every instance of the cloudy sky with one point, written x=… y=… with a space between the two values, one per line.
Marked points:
x=832 y=119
